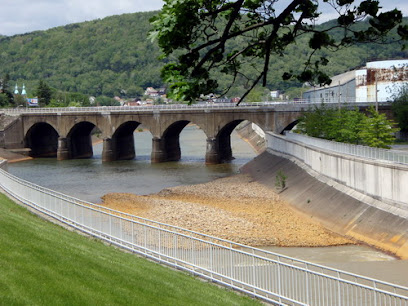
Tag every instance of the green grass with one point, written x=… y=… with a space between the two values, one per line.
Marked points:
x=43 y=264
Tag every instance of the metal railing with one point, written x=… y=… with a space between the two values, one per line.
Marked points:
x=394 y=156
x=297 y=104
x=266 y=275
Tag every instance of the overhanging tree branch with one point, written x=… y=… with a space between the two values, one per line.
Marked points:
x=199 y=31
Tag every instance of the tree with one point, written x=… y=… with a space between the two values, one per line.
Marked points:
x=376 y=130
x=258 y=94
x=3 y=100
x=44 y=93
x=20 y=100
x=400 y=108
x=7 y=95
x=349 y=126
x=346 y=125
x=317 y=122
x=199 y=32
x=106 y=101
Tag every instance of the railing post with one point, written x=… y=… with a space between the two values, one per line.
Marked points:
x=133 y=235
x=279 y=280
x=253 y=269
x=339 y=288
x=110 y=226
x=308 y=301
x=211 y=262
x=375 y=293
x=232 y=263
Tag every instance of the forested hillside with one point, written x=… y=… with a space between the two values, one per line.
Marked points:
x=112 y=57
x=100 y=57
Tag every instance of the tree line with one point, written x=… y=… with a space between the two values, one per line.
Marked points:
x=48 y=96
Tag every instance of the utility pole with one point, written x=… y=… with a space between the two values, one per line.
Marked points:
x=339 y=96
x=376 y=93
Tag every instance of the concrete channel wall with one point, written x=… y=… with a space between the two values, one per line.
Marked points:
x=338 y=207
x=382 y=180
x=252 y=134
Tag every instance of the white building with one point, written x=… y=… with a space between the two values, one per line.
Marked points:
x=377 y=81
x=275 y=94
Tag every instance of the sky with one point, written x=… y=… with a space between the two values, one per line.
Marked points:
x=23 y=16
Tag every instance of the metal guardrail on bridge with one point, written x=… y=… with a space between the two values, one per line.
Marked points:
x=394 y=156
x=266 y=275
x=298 y=104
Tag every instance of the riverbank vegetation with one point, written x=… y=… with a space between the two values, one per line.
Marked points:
x=348 y=125
x=43 y=264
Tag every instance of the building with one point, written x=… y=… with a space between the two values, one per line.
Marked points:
x=23 y=90
x=275 y=94
x=151 y=92
x=377 y=81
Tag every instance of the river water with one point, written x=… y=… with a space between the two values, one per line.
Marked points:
x=89 y=179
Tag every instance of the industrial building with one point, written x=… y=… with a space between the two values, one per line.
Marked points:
x=377 y=81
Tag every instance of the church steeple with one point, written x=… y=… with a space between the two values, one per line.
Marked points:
x=16 y=89
x=23 y=92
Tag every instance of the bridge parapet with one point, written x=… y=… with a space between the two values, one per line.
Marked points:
x=277 y=105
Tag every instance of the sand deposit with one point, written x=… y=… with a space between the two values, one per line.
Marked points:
x=234 y=208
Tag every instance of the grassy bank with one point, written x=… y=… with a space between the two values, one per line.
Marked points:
x=43 y=264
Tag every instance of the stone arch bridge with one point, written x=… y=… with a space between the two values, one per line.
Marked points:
x=66 y=132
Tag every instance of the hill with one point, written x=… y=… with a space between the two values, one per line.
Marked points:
x=100 y=57
x=112 y=57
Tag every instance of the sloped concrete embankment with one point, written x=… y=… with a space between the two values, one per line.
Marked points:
x=253 y=135
x=331 y=206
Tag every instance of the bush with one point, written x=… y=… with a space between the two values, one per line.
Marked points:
x=349 y=126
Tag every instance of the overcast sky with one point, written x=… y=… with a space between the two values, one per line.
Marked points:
x=22 y=16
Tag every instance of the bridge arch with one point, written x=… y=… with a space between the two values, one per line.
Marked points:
x=123 y=142
x=42 y=139
x=290 y=126
x=167 y=147
x=224 y=140
x=79 y=140
x=219 y=147
x=171 y=137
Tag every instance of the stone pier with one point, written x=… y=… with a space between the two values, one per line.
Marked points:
x=107 y=151
x=63 y=152
x=212 y=155
x=158 y=150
